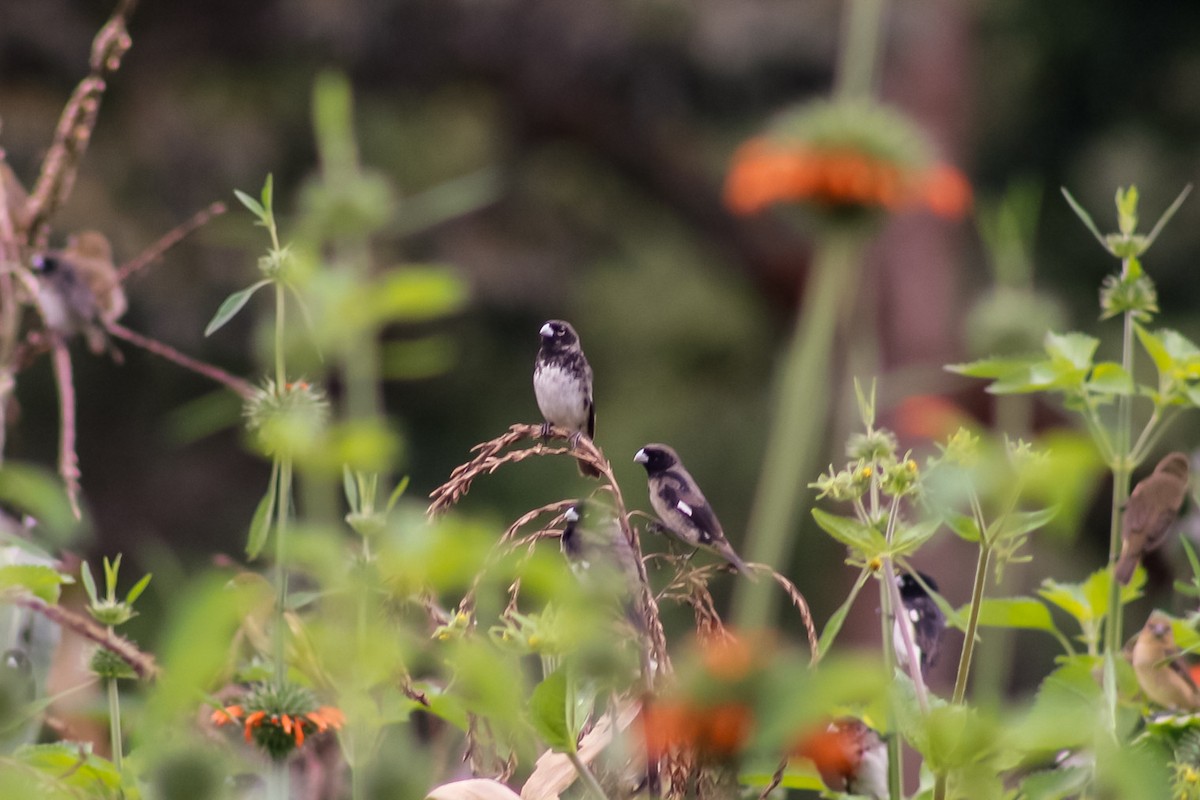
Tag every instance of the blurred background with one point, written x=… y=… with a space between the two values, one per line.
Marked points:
x=566 y=160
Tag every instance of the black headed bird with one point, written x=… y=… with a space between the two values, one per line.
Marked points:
x=681 y=506
x=1152 y=507
x=926 y=622
x=597 y=549
x=1159 y=667
x=78 y=289
x=562 y=383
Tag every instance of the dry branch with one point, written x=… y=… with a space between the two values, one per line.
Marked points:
x=141 y=663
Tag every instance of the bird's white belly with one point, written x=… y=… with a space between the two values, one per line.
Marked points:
x=560 y=398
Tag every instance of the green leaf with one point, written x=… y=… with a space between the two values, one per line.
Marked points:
x=1156 y=349
x=1014 y=612
x=41 y=581
x=548 y=712
x=39 y=494
x=994 y=368
x=963 y=526
x=1077 y=349
x=1055 y=784
x=865 y=539
x=1069 y=597
x=1110 y=378
x=232 y=305
x=264 y=515
x=268 y=196
x=397 y=493
x=89 y=583
x=73 y=765
x=1166 y=216
x=1020 y=523
x=908 y=539
x=838 y=618
x=414 y=293
x=249 y=202
x=1085 y=217
x=137 y=589
x=350 y=487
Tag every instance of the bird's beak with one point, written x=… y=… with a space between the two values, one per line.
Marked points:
x=546 y=330
x=571 y=515
x=641 y=457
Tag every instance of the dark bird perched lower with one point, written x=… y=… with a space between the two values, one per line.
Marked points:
x=1159 y=667
x=597 y=550
x=1152 y=507
x=562 y=384
x=926 y=622
x=681 y=506
x=78 y=289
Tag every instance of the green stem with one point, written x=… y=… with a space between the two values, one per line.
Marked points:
x=1122 y=469
x=585 y=774
x=798 y=423
x=281 y=577
x=280 y=318
x=114 y=723
x=861 y=45
x=964 y=661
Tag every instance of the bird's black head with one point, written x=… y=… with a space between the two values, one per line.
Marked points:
x=557 y=335
x=45 y=264
x=909 y=588
x=656 y=458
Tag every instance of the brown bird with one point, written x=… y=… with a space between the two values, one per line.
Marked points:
x=1151 y=509
x=78 y=290
x=1159 y=668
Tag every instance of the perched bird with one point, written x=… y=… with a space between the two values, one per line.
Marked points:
x=1152 y=507
x=596 y=547
x=926 y=622
x=850 y=756
x=1160 y=671
x=562 y=383
x=680 y=504
x=78 y=290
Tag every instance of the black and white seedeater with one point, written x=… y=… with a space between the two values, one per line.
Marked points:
x=1152 y=507
x=926 y=622
x=851 y=757
x=562 y=383
x=1159 y=667
x=681 y=506
x=78 y=289
x=596 y=547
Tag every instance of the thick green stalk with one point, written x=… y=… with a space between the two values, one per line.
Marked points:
x=585 y=774
x=1122 y=469
x=798 y=423
x=281 y=577
x=861 y=45
x=114 y=723
x=964 y=661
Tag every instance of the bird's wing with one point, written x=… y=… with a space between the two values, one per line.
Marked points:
x=687 y=499
x=1177 y=666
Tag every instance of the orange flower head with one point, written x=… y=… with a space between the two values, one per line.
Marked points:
x=834 y=750
x=279 y=718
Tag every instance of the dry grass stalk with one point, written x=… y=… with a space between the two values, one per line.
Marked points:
x=141 y=663
x=169 y=240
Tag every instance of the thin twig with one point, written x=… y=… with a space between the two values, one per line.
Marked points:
x=68 y=459
x=236 y=384
x=169 y=240
x=141 y=663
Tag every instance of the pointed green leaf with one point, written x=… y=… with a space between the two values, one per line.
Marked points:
x=1069 y=597
x=993 y=367
x=1014 y=612
x=232 y=305
x=1156 y=349
x=866 y=403
x=264 y=515
x=548 y=712
x=1166 y=217
x=1075 y=348
x=838 y=618
x=963 y=525
x=89 y=583
x=909 y=538
x=1020 y=523
x=1085 y=217
x=249 y=202
x=41 y=581
x=397 y=493
x=863 y=538
x=350 y=487
x=268 y=196
x=137 y=589
x=1110 y=378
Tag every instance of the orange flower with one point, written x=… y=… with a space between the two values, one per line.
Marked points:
x=728 y=658
x=714 y=732
x=946 y=192
x=227 y=715
x=666 y=726
x=834 y=751
x=725 y=729
x=326 y=717
x=930 y=416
